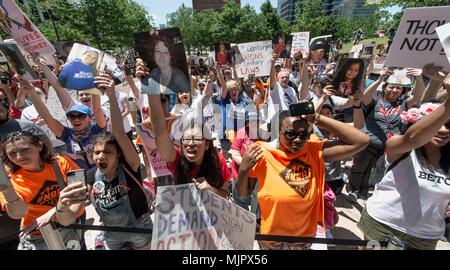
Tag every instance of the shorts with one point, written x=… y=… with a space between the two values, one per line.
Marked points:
x=136 y=241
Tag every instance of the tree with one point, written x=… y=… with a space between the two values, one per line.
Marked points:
x=273 y=26
x=312 y=19
x=414 y=3
x=183 y=19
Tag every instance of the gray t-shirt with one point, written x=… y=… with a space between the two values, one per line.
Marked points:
x=382 y=119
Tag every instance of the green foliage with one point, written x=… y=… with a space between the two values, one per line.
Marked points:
x=414 y=3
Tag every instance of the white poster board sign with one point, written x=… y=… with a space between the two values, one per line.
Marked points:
x=257 y=57
x=300 y=42
x=24 y=32
x=416 y=42
x=443 y=33
x=189 y=219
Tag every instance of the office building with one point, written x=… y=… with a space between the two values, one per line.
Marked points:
x=199 y=5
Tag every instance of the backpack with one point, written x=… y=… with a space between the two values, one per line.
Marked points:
x=148 y=189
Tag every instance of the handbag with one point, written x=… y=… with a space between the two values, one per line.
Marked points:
x=331 y=216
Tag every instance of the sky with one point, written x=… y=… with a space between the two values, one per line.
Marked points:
x=160 y=8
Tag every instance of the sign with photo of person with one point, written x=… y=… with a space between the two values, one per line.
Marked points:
x=63 y=47
x=401 y=78
x=444 y=36
x=14 y=21
x=189 y=219
x=300 y=42
x=223 y=54
x=236 y=55
x=282 y=46
x=416 y=42
x=348 y=76
x=17 y=61
x=163 y=52
x=257 y=59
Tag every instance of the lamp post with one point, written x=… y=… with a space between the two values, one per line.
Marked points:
x=49 y=11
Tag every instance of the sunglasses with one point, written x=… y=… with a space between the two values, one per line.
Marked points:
x=196 y=140
x=292 y=135
x=76 y=116
x=19 y=135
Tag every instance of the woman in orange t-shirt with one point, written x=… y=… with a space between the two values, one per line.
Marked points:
x=34 y=192
x=291 y=175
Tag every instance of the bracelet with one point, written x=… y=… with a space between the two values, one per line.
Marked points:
x=14 y=201
x=356 y=107
x=59 y=211
x=316 y=118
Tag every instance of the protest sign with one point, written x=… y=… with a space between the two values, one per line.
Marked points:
x=257 y=59
x=157 y=163
x=3 y=58
x=223 y=53
x=300 y=42
x=416 y=42
x=189 y=219
x=282 y=46
x=130 y=61
x=24 y=32
x=65 y=46
x=125 y=86
x=164 y=53
x=368 y=50
x=443 y=33
x=400 y=78
x=236 y=56
x=348 y=76
x=355 y=51
x=17 y=61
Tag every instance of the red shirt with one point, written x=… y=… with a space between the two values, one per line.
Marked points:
x=222 y=58
x=223 y=166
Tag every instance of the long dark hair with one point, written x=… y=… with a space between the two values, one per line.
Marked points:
x=46 y=153
x=340 y=77
x=210 y=168
x=444 y=162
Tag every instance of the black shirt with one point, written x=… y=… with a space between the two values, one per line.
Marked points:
x=135 y=194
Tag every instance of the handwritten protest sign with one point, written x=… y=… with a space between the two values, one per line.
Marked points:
x=157 y=163
x=300 y=42
x=130 y=61
x=444 y=36
x=257 y=57
x=189 y=219
x=416 y=42
x=24 y=32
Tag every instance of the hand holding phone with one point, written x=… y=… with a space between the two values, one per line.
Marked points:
x=76 y=176
x=304 y=108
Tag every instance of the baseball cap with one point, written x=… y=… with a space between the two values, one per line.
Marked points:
x=81 y=109
x=277 y=64
x=201 y=82
x=318 y=44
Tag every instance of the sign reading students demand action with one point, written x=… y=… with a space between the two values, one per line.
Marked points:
x=416 y=42
x=24 y=32
x=189 y=219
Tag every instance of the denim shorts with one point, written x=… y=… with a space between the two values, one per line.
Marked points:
x=137 y=241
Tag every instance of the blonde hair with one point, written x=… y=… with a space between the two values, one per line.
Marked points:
x=232 y=84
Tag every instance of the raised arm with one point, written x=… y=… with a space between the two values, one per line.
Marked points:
x=16 y=207
x=304 y=77
x=221 y=80
x=64 y=97
x=131 y=156
x=436 y=78
x=358 y=114
x=419 y=89
x=273 y=73
x=162 y=137
x=100 y=118
x=10 y=96
x=368 y=94
x=54 y=125
x=253 y=154
x=421 y=132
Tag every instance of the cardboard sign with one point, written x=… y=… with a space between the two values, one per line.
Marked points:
x=300 y=42
x=416 y=42
x=347 y=86
x=125 y=86
x=236 y=55
x=157 y=163
x=355 y=51
x=443 y=33
x=17 y=61
x=65 y=46
x=223 y=53
x=164 y=53
x=400 y=78
x=257 y=59
x=282 y=46
x=24 y=32
x=130 y=61
x=189 y=219
x=368 y=50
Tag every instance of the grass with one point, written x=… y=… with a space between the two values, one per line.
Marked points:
x=347 y=46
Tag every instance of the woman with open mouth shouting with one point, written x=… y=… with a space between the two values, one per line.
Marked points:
x=197 y=160
x=116 y=184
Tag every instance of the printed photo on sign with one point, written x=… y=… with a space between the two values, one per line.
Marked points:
x=416 y=42
x=65 y=46
x=236 y=55
x=282 y=46
x=368 y=50
x=17 y=61
x=321 y=42
x=14 y=21
x=163 y=52
x=400 y=78
x=348 y=77
x=223 y=54
x=444 y=36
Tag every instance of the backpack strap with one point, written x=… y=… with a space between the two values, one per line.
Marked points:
x=149 y=200
x=395 y=163
x=58 y=174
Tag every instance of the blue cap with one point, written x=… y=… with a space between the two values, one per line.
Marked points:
x=81 y=109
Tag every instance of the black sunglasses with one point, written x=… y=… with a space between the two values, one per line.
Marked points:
x=75 y=116
x=292 y=135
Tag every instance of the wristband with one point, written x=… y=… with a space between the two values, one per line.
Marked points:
x=59 y=211
x=356 y=107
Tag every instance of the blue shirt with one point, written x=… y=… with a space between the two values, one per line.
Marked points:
x=232 y=113
x=77 y=76
x=80 y=150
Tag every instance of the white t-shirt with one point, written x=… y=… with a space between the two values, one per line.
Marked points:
x=281 y=97
x=412 y=199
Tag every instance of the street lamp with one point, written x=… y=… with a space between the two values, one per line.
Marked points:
x=49 y=8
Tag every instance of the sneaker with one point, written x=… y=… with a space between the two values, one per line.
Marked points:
x=353 y=196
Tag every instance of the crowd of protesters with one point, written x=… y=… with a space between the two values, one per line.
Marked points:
x=238 y=139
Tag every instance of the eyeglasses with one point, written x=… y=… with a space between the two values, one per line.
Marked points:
x=292 y=135
x=196 y=140
x=76 y=116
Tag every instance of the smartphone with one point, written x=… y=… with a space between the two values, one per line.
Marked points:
x=3 y=175
x=304 y=108
x=76 y=176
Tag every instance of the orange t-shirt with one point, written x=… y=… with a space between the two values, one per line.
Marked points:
x=285 y=211
x=40 y=191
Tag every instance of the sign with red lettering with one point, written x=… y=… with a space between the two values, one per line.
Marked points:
x=24 y=32
x=416 y=42
x=300 y=42
x=257 y=57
